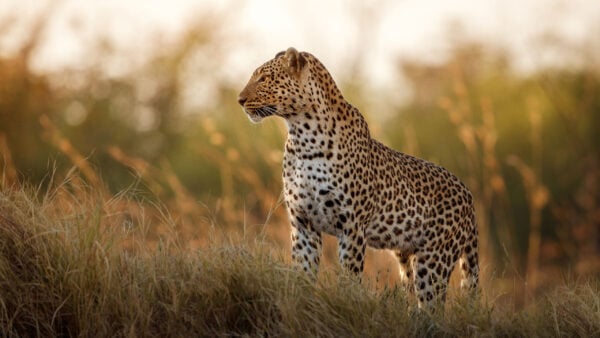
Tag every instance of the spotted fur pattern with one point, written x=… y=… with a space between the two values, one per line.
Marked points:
x=340 y=181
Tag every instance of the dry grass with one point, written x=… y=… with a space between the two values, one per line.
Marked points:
x=75 y=264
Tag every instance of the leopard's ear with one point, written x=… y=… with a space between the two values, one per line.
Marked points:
x=296 y=61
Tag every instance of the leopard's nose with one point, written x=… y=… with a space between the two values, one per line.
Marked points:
x=242 y=100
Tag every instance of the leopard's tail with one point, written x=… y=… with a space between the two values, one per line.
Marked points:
x=469 y=261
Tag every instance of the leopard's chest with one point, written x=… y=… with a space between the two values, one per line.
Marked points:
x=310 y=190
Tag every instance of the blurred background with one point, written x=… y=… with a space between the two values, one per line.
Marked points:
x=140 y=96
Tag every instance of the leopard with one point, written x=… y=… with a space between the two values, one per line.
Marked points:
x=338 y=180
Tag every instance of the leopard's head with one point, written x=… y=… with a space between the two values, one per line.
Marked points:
x=284 y=86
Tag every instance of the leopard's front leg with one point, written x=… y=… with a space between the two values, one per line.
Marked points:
x=351 y=249
x=306 y=247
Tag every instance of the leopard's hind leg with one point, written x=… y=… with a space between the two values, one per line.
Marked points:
x=406 y=262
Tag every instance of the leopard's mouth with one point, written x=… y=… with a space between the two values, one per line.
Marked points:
x=257 y=114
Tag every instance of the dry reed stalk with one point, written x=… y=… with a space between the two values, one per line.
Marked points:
x=537 y=198
x=9 y=170
x=250 y=177
x=55 y=137
x=152 y=175
x=495 y=197
x=411 y=144
x=142 y=169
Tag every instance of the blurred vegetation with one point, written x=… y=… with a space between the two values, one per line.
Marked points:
x=527 y=145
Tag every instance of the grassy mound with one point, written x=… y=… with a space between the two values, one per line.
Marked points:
x=70 y=265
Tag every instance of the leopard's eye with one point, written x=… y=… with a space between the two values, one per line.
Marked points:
x=262 y=78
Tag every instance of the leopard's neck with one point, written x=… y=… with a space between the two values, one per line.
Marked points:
x=326 y=130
